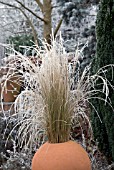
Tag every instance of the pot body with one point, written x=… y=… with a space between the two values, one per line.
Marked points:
x=11 y=94
x=13 y=90
x=61 y=156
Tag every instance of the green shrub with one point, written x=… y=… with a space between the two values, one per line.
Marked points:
x=104 y=131
x=22 y=40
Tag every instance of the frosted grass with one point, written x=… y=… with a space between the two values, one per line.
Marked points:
x=51 y=96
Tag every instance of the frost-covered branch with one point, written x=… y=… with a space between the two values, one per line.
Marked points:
x=32 y=26
x=58 y=27
x=40 y=4
x=28 y=9
x=14 y=6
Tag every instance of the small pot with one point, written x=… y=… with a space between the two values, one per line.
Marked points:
x=11 y=93
x=61 y=156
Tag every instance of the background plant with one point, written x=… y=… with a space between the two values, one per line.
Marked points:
x=104 y=131
x=19 y=43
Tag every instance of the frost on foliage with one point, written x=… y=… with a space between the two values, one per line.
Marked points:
x=29 y=105
x=17 y=161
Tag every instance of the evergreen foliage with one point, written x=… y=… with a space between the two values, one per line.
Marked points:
x=104 y=132
x=75 y=10
x=21 y=40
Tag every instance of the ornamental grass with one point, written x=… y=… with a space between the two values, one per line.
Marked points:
x=54 y=93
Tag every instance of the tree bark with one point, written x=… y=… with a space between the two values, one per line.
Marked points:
x=47 y=10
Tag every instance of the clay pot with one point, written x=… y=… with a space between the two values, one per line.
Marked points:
x=61 y=156
x=13 y=90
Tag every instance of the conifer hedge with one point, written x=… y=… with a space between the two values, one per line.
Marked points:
x=104 y=132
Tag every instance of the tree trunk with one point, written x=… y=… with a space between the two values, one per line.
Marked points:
x=47 y=10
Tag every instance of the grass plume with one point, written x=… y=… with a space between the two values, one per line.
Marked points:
x=52 y=95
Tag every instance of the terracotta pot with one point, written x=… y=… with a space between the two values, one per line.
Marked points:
x=13 y=90
x=61 y=156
